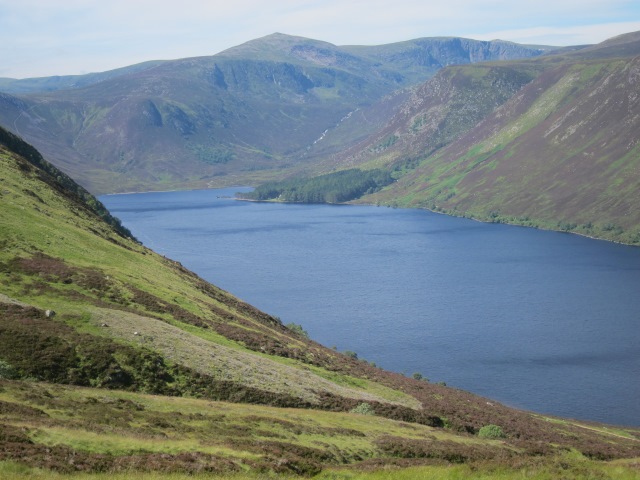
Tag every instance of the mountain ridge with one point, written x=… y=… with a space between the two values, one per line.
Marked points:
x=61 y=82
x=219 y=120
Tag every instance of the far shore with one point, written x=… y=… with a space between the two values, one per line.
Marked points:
x=440 y=212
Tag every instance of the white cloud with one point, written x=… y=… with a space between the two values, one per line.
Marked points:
x=578 y=35
x=47 y=37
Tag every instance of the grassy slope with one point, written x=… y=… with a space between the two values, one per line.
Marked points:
x=560 y=154
x=436 y=113
x=128 y=320
x=560 y=159
x=125 y=290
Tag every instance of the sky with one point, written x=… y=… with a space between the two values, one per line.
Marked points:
x=68 y=37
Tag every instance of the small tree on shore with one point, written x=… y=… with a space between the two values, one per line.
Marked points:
x=294 y=327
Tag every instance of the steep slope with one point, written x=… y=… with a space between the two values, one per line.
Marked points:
x=436 y=113
x=58 y=254
x=61 y=183
x=245 y=115
x=85 y=305
x=561 y=153
x=548 y=142
x=432 y=54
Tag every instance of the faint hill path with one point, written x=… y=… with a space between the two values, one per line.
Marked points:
x=227 y=362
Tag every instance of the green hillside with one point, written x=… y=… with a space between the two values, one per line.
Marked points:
x=116 y=359
x=549 y=142
x=562 y=153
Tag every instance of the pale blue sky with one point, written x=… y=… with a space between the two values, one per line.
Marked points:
x=62 y=37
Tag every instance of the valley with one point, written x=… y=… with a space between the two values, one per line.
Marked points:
x=248 y=114
x=118 y=361
x=530 y=135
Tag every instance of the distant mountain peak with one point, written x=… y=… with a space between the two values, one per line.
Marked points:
x=275 y=46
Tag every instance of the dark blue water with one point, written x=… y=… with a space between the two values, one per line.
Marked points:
x=544 y=321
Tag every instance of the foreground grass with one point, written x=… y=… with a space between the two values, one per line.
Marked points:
x=255 y=442
x=119 y=423
x=568 y=470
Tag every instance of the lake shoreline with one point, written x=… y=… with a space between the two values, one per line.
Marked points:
x=535 y=226
x=417 y=292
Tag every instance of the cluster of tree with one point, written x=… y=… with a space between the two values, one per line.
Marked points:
x=337 y=187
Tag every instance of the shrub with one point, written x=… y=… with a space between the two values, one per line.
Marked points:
x=294 y=327
x=363 y=409
x=7 y=371
x=491 y=431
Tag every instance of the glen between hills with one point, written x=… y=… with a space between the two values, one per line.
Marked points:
x=549 y=142
x=496 y=131
x=116 y=359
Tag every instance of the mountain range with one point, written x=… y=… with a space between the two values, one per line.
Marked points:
x=244 y=115
x=496 y=131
